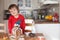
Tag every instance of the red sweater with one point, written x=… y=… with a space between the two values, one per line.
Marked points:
x=12 y=20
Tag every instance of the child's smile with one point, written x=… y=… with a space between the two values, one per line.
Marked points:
x=13 y=11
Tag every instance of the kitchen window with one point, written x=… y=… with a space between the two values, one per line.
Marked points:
x=28 y=3
x=20 y=3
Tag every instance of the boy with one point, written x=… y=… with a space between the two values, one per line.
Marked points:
x=15 y=16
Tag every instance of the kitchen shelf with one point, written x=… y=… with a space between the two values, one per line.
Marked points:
x=50 y=2
x=47 y=4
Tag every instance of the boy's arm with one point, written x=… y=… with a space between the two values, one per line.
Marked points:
x=22 y=25
x=9 y=25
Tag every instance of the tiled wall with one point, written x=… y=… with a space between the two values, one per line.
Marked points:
x=8 y=2
x=4 y=6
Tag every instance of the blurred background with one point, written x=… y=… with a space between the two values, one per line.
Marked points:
x=44 y=13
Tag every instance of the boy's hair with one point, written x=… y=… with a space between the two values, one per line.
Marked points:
x=12 y=6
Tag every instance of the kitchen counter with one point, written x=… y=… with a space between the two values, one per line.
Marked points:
x=38 y=36
x=46 y=22
x=5 y=36
x=51 y=30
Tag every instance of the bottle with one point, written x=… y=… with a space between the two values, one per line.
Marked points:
x=55 y=17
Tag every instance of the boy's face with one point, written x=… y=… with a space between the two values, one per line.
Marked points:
x=13 y=11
